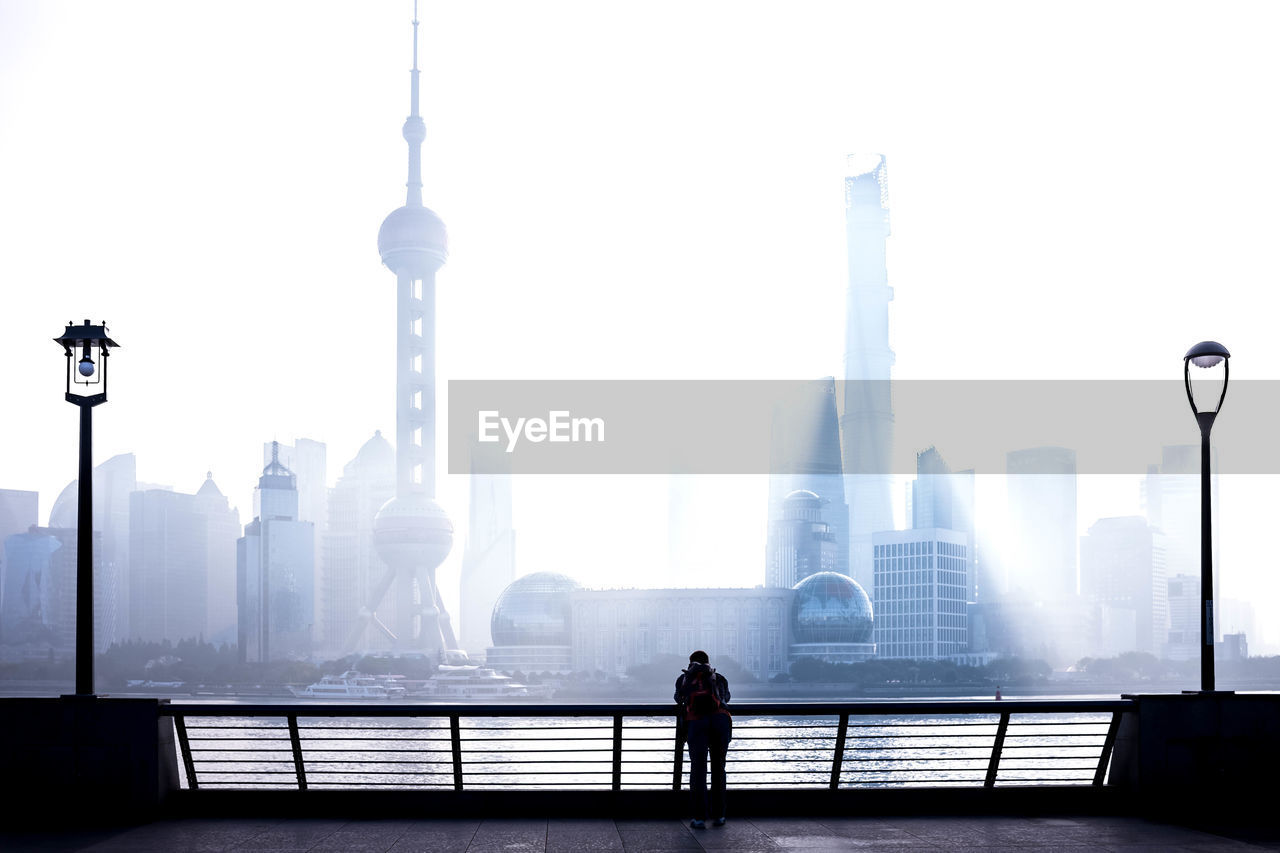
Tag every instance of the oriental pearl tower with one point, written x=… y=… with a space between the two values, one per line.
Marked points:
x=412 y=534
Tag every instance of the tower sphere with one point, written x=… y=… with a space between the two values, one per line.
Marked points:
x=831 y=608
x=412 y=532
x=534 y=611
x=413 y=239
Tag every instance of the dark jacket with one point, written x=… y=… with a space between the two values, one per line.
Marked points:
x=721 y=689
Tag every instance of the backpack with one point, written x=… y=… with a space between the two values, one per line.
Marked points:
x=702 y=693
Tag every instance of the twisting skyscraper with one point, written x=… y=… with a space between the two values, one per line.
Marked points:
x=867 y=424
x=412 y=533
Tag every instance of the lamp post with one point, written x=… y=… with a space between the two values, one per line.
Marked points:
x=1206 y=355
x=86 y=348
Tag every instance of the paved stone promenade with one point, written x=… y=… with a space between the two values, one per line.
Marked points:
x=640 y=836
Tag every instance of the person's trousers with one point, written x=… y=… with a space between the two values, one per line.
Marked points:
x=712 y=734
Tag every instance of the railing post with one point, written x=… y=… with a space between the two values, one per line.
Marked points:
x=837 y=760
x=993 y=767
x=677 y=763
x=455 y=739
x=297 y=752
x=1100 y=775
x=180 y=723
x=617 y=752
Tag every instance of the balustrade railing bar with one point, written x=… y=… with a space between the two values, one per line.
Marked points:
x=837 y=757
x=829 y=745
x=1107 y=745
x=296 y=743
x=455 y=742
x=993 y=766
x=184 y=745
x=617 y=752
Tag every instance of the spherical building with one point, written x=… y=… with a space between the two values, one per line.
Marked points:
x=831 y=619
x=531 y=624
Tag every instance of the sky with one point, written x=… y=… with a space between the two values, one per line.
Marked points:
x=1078 y=190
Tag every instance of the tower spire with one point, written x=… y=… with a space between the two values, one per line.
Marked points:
x=414 y=129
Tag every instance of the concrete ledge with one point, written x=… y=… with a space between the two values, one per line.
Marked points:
x=649 y=804
x=89 y=758
x=1204 y=751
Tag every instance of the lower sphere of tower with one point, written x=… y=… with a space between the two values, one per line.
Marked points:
x=411 y=533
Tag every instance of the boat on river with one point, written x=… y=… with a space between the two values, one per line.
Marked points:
x=352 y=685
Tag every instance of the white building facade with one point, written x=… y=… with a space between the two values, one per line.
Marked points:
x=920 y=593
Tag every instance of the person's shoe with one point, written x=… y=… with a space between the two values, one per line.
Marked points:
x=719 y=821
x=697 y=824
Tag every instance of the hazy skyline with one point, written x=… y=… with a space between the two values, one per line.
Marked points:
x=653 y=191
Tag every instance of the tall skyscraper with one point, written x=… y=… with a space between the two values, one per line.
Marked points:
x=113 y=482
x=222 y=525
x=944 y=498
x=182 y=564
x=1184 y=618
x=1042 y=515
x=412 y=532
x=489 y=560
x=19 y=512
x=39 y=593
x=921 y=592
x=308 y=460
x=169 y=572
x=804 y=455
x=800 y=542
x=1171 y=498
x=275 y=573
x=349 y=562
x=867 y=423
x=1122 y=568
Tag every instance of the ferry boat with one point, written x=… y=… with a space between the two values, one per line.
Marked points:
x=472 y=681
x=352 y=685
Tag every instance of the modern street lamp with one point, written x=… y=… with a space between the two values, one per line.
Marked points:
x=1206 y=355
x=86 y=348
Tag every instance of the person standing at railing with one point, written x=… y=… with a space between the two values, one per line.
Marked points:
x=703 y=697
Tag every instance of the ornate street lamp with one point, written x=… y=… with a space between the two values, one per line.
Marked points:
x=1210 y=390
x=86 y=348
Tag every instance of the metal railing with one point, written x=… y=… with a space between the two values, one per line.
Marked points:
x=629 y=747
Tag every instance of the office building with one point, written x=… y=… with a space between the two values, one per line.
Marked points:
x=489 y=559
x=38 y=595
x=222 y=529
x=804 y=455
x=1171 y=498
x=614 y=629
x=19 y=512
x=866 y=424
x=800 y=541
x=114 y=481
x=1042 y=519
x=275 y=574
x=1183 y=594
x=350 y=565
x=941 y=498
x=308 y=460
x=1122 y=570
x=921 y=593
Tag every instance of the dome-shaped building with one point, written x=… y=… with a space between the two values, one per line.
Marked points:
x=831 y=619
x=531 y=624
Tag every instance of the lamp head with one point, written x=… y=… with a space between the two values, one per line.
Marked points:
x=1207 y=354
x=1209 y=388
x=92 y=344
